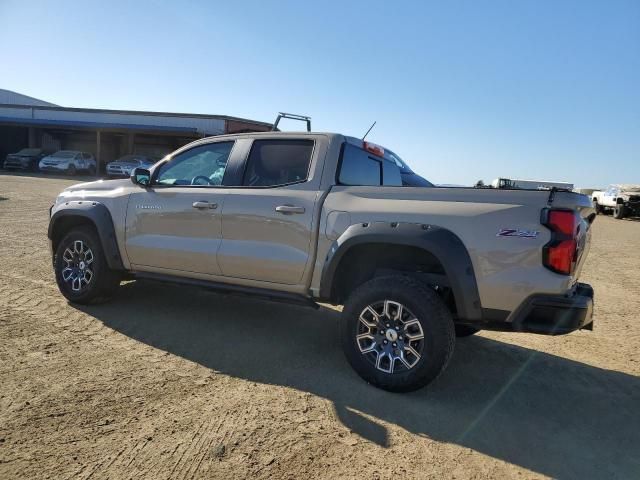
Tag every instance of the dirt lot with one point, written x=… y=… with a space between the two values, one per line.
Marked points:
x=169 y=382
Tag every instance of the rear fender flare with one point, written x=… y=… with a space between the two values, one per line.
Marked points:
x=445 y=245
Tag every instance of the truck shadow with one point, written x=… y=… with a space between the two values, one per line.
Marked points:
x=545 y=413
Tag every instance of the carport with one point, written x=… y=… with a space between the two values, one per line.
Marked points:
x=109 y=134
x=107 y=141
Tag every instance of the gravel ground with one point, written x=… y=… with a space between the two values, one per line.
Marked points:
x=168 y=382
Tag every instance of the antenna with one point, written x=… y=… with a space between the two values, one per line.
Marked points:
x=372 y=125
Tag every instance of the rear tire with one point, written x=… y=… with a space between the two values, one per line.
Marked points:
x=415 y=347
x=71 y=170
x=465 y=331
x=620 y=211
x=82 y=273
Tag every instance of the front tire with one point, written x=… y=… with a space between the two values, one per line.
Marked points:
x=397 y=333
x=82 y=273
x=620 y=211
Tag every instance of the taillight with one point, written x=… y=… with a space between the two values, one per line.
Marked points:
x=561 y=253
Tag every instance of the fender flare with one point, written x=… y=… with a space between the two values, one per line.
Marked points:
x=443 y=244
x=100 y=217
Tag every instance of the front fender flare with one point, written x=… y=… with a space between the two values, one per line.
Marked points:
x=99 y=216
x=445 y=245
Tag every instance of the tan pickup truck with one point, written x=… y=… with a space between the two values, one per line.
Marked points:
x=321 y=217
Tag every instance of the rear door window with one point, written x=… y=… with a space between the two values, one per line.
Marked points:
x=273 y=163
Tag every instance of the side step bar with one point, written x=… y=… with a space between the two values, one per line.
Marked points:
x=262 y=293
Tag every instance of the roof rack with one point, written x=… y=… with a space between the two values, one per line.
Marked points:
x=291 y=116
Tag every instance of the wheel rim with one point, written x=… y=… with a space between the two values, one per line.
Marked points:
x=77 y=271
x=390 y=336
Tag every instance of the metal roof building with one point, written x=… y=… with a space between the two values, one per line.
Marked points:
x=107 y=134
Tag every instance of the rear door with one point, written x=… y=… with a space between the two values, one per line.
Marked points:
x=267 y=221
x=174 y=226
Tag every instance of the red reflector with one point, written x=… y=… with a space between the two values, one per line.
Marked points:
x=373 y=148
x=560 y=257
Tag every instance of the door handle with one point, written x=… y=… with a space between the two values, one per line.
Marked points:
x=289 y=209
x=204 y=204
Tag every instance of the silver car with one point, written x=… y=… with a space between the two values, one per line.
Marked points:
x=123 y=166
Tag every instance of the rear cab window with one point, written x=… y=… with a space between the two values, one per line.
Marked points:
x=361 y=167
x=364 y=163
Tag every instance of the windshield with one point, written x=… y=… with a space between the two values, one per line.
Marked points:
x=64 y=154
x=29 y=151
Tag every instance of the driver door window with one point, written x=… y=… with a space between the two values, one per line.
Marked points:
x=175 y=224
x=201 y=166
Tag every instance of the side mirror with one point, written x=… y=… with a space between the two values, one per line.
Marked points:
x=141 y=176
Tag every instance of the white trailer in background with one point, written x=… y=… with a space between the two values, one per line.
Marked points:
x=530 y=184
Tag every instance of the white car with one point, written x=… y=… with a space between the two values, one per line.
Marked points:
x=69 y=162
x=123 y=166
x=623 y=200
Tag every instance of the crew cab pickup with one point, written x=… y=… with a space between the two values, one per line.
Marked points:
x=322 y=217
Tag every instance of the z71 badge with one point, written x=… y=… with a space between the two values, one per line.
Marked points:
x=515 y=232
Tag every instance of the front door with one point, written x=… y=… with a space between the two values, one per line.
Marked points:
x=267 y=222
x=175 y=224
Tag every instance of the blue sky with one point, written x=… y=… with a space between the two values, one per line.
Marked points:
x=462 y=90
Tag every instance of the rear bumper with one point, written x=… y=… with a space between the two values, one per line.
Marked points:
x=556 y=314
x=545 y=314
x=17 y=164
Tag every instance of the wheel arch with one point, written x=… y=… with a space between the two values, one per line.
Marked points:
x=436 y=247
x=94 y=214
